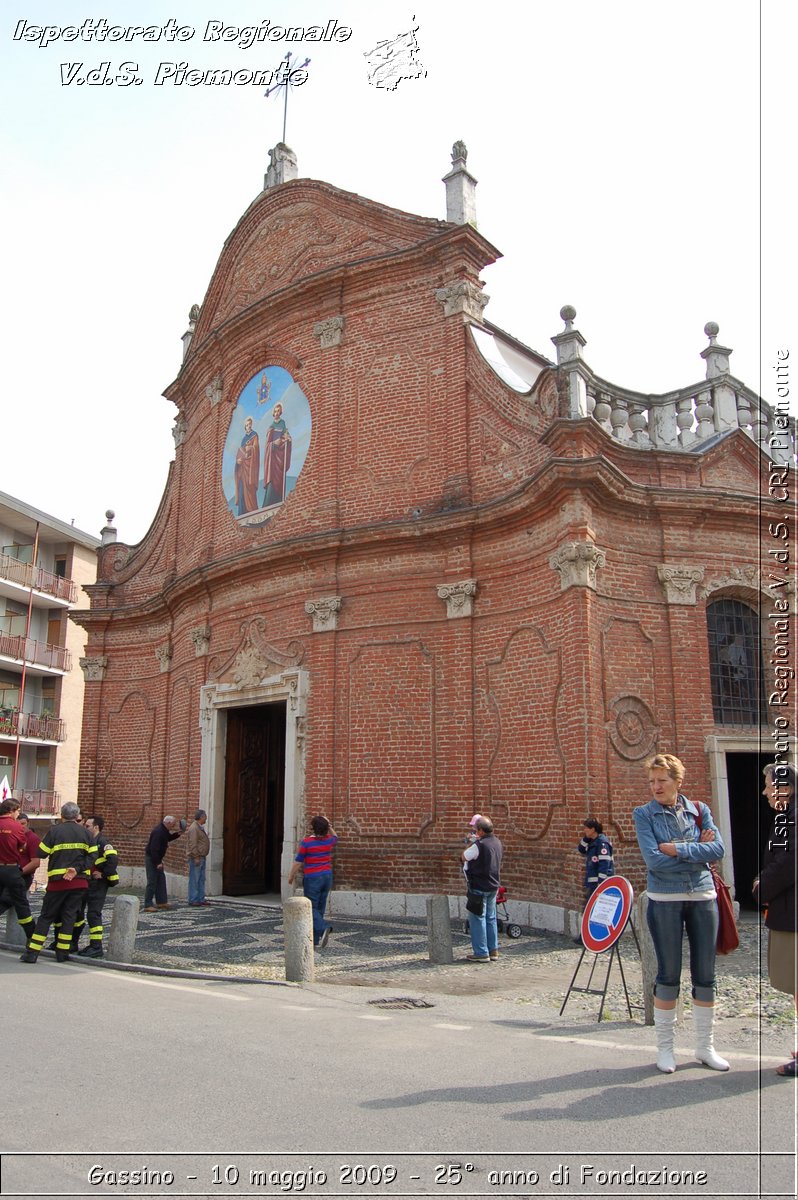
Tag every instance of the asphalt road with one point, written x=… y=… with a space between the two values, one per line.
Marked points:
x=119 y=1069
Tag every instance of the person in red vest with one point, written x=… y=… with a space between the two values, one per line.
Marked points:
x=13 y=848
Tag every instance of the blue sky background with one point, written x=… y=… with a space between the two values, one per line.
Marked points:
x=616 y=144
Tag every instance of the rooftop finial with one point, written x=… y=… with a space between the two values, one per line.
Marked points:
x=459 y=153
x=108 y=533
x=461 y=208
x=568 y=314
x=712 y=329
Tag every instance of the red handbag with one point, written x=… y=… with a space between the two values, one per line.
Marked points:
x=728 y=935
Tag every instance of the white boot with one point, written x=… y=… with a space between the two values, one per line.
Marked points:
x=704 y=1050
x=664 y=1028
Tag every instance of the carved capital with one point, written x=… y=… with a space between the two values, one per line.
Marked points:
x=213 y=391
x=94 y=668
x=462 y=297
x=164 y=656
x=459 y=598
x=180 y=430
x=201 y=637
x=680 y=583
x=577 y=563
x=329 y=332
x=324 y=613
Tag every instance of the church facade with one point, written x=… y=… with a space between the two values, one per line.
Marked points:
x=406 y=569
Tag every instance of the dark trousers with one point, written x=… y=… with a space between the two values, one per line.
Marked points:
x=155 y=891
x=91 y=912
x=14 y=894
x=60 y=909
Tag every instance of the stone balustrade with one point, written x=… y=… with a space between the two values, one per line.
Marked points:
x=684 y=419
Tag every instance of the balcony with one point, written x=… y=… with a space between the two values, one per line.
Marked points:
x=31 y=727
x=38 y=802
x=53 y=589
x=35 y=654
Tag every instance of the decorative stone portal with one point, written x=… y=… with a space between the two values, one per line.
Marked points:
x=222 y=705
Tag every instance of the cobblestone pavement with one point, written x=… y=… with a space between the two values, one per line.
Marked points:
x=246 y=939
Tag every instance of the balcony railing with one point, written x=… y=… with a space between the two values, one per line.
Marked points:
x=30 y=725
x=28 y=576
x=43 y=654
x=38 y=801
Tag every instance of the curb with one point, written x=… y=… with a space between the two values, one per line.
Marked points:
x=168 y=972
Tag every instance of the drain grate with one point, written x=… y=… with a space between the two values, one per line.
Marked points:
x=401 y=1002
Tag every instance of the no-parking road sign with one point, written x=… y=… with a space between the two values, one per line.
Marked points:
x=607 y=914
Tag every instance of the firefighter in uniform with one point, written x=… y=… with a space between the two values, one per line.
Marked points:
x=13 y=847
x=71 y=856
x=103 y=876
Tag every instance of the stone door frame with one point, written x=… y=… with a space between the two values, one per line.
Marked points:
x=717 y=746
x=216 y=700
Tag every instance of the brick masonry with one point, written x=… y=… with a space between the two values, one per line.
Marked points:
x=424 y=469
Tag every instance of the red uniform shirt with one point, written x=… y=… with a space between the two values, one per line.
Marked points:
x=13 y=845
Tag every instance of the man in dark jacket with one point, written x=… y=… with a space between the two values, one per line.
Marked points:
x=103 y=876
x=777 y=888
x=484 y=860
x=155 y=895
x=71 y=854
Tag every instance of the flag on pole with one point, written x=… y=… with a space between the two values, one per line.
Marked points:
x=5 y=788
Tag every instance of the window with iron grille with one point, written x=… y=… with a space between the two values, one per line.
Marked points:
x=735 y=663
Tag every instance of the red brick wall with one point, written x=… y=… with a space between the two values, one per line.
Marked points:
x=423 y=469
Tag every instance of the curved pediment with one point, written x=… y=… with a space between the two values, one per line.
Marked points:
x=296 y=231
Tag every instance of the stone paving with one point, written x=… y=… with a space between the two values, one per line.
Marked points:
x=245 y=939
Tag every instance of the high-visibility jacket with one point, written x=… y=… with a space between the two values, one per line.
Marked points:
x=106 y=862
x=68 y=844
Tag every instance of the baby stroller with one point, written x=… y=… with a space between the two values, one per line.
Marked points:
x=503 y=922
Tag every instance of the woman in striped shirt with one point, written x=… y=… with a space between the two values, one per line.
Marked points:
x=314 y=856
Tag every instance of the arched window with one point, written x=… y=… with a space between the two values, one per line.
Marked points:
x=735 y=663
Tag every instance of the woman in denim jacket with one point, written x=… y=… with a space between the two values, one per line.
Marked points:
x=678 y=839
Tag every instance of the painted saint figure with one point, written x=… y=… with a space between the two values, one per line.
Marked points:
x=276 y=459
x=246 y=472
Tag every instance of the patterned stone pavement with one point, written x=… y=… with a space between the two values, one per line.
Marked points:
x=245 y=939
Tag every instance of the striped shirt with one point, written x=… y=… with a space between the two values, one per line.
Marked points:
x=315 y=854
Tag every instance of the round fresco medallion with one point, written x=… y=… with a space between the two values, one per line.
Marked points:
x=266 y=445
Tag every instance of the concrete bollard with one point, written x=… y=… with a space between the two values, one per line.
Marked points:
x=124 y=923
x=15 y=935
x=439 y=930
x=298 y=935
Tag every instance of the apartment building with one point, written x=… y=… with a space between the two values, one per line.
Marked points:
x=44 y=565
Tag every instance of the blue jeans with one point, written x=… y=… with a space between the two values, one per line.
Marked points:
x=666 y=921
x=196 y=881
x=155 y=891
x=484 y=932
x=317 y=888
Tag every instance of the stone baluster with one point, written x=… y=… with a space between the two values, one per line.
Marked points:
x=684 y=420
x=744 y=415
x=704 y=414
x=602 y=410
x=638 y=424
x=618 y=418
x=759 y=426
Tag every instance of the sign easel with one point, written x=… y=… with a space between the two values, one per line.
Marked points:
x=604 y=920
